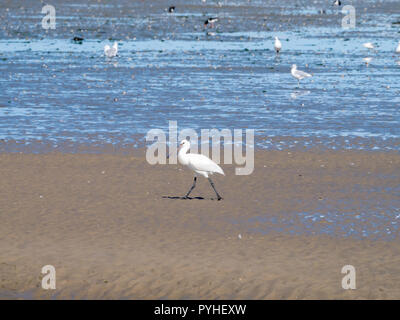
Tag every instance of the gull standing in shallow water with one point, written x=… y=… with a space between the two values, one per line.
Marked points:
x=210 y=22
x=398 y=48
x=277 y=45
x=367 y=60
x=368 y=45
x=299 y=75
x=111 y=52
x=200 y=164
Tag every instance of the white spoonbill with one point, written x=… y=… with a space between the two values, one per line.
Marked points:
x=110 y=52
x=299 y=75
x=398 y=48
x=369 y=45
x=200 y=164
x=277 y=45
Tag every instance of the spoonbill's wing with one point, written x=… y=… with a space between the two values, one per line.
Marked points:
x=202 y=163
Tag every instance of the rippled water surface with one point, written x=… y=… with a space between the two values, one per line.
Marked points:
x=56 y=91
x=381 y=223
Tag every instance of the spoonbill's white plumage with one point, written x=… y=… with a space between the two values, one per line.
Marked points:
x=299 y=75
x=111 y=52
x=398 y=48
x=277 y=45
x=200 y=164
x=369 y=45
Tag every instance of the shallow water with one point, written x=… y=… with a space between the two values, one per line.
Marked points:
x=377 y=222
x=59 y=92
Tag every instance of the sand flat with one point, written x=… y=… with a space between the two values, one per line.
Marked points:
x=102 y=221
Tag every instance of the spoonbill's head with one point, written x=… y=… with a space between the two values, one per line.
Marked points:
x=115 y=45
x=276 y=38
x=184 y=143
x=294 y=67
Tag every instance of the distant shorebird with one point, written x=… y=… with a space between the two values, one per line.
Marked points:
x=277 y=45
x=368 y=45
x=78 y=39
x=337 y=3
x=111 y=52
x=299 y=75
x=210 y=22
x=171 y=9
x=200 y=164
x=367 y=60
x=398 y=48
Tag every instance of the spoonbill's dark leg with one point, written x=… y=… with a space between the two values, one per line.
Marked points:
x=212 y=185
x=194 y=184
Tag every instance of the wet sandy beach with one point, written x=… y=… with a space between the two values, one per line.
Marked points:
x=105 y=224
